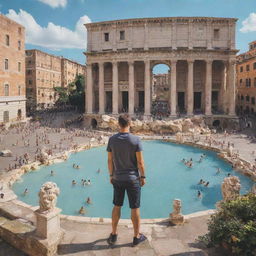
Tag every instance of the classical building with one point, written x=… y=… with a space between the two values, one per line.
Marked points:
x=246 y=81
x=69 y=70
x=12 y=71
x=43 y=73
x=200 y=52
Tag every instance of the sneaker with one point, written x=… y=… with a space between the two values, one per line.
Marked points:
x=139 y=240
x=112 y=239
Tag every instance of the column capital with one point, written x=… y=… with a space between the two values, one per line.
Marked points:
x=209 y=61
x=101 y=63
x=88 y=65
x=174 y=61
x=232 y=61
x=130 y=62
x=147 y=62
x=115 y=63
x=190 y=61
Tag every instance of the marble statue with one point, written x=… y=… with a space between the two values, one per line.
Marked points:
x=48 y=197
x=176 y=217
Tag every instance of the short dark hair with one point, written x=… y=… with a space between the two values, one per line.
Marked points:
x=124 y=120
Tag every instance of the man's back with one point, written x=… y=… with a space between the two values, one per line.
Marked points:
x=124 y=147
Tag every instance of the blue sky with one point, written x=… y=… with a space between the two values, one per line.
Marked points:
x=46 y=18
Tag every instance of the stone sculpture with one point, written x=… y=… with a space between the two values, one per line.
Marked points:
x=176 y=218
x=230 y=188
x=48 y=197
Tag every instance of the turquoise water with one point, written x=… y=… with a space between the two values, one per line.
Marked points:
x=167 y=178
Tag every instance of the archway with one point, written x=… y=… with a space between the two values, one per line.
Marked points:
x=160 y=90
x=216 y=123
x=19 y=114
x=94 y=123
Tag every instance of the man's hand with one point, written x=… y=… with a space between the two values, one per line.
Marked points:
x=142 y=182
x=111 y=180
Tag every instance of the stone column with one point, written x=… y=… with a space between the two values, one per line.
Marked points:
x=208 y=88
x=101 y=89
x=89 y=82
x=231 y=87
x=190 y=88
x=131 y=87
x=147 y=94
x=115 y=88
x=173 y=94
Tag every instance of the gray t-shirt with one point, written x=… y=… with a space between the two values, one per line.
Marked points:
x=124 y=147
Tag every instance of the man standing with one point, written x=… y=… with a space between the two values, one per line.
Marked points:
x=127 y=173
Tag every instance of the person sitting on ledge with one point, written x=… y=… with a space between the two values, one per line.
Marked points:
x=82 y=210
x=88 y=201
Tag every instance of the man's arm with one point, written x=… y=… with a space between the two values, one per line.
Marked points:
x=141 y=166
x=110 y=166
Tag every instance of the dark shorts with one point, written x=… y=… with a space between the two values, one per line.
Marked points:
x=132 y=188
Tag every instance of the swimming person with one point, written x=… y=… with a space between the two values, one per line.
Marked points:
x=52 y=173
x=127 y=173
x=88 y=201
x=25 y=192
x=73 y=182
x=199 y=194
x=82 y=211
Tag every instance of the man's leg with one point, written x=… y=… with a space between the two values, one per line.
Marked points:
x=135 y=216
x=116 y=213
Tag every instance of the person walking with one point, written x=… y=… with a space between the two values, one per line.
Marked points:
x=127 y=173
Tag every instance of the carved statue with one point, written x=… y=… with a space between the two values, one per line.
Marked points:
x=43 y=156
x=176 y=217
x=48 y=197
x=230 y=188
x=254 y=189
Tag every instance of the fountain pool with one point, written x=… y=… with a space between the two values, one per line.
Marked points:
x=167 y=178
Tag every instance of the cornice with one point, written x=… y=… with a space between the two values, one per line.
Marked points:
x=142 y=21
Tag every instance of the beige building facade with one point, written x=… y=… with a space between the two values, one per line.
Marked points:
x=246 y=81
x=12 y=71
x=43 y=73
x=200 y=53
x=69 y=70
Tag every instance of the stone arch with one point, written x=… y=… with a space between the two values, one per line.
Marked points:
x=160 y=71
x=94 y=123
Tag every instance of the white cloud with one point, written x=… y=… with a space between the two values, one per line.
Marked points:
x=249 y=24
x=55 y=3
x=53 y=36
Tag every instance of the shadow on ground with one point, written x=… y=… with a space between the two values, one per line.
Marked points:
x=93 y=246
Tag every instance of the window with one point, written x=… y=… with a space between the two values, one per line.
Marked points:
x=216 y=34
x=30 y=82
x=6 y=90
x=6 y=116
x=19 y=30
x=19 y=90
x=242 y=97
x=19 y=45
x=254 y=65
x=248 y=98
x=253 y=100
x=254 y=81
x=248 y=67
x=241 y=82
x=249 y=82
x=19 y=66
x=7 y=40
x=6 y=64
x=241 y=69
x=122 y=35
x=29 y=72
x=106 y=36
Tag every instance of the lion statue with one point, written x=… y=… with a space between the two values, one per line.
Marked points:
x=48 y=197
x=230 y=188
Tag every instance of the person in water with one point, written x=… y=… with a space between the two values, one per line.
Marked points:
x=82 y=210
